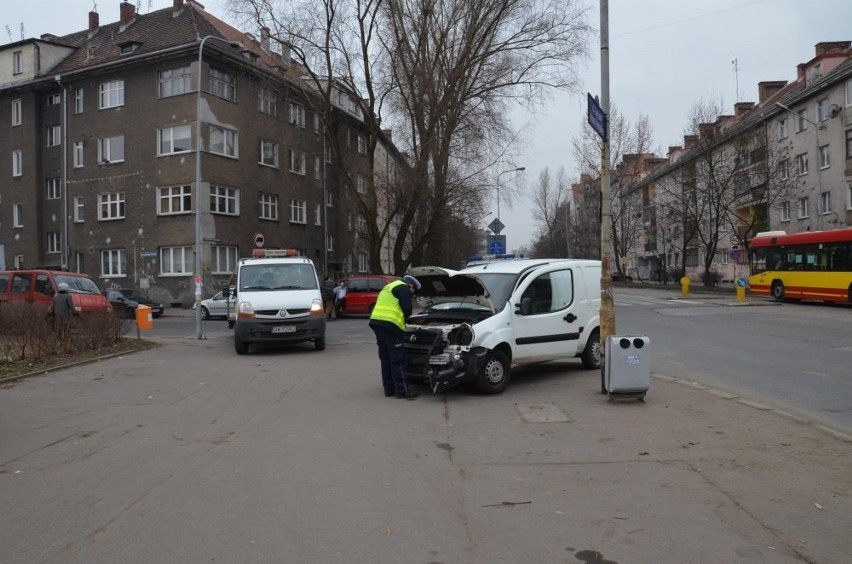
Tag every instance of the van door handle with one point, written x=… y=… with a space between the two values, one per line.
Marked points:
x=570 y=318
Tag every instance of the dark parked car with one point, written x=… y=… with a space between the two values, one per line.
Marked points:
x=125 y=300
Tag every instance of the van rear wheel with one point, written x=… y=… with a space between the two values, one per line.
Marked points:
x=494 y=375
x=591 y=356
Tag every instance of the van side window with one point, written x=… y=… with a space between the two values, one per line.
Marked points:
x=21 y=283
x=357 y=286
x=376 y=285
x=4 y=283
x=43 y=285
x=550 y=292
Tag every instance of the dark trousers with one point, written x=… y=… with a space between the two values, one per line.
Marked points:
x=392 y=357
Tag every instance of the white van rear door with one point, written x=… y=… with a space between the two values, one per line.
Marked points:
x=552 y=328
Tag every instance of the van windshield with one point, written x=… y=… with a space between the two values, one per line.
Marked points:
x=499 y=286
x=78 y=284
x=263 y=277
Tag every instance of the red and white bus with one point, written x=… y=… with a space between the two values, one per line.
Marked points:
x=814 y=265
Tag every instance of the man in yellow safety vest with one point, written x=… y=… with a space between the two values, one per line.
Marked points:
x=387 y=321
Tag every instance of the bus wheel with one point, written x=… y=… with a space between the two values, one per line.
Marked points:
x=778 y=291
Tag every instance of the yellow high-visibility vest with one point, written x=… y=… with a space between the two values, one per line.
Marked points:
x=387 y=306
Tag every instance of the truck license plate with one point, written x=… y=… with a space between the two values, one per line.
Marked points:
x=284 y=329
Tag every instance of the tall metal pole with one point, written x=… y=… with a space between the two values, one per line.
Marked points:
x=607 y=303
x=197 y=273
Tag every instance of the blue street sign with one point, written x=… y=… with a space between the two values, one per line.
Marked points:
x=496 y=248
x=597 y=117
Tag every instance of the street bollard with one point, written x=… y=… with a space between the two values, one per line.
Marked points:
x=741 y=284
x=684 y=286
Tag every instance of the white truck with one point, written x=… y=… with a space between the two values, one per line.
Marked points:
x=477 y=322
x=277 y=300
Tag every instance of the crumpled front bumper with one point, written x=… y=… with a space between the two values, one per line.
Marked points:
x=428 y=362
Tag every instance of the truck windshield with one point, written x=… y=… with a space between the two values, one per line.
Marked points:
x=264 y=277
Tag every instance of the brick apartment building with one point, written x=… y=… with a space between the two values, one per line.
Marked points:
x=98 y=154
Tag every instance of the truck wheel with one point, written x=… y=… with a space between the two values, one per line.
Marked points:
x=240 y=346
x=494 y=375
x=592 y=353
x=319 y=344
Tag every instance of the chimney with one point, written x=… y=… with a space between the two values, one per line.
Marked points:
x=831 y=47
x=705 y=130
x=127 y=13
x=94 y=23
x=740 y=108
x=264 y=38
x=769 y=88
x=388 y=133
x=690 y=141
x=177 y=6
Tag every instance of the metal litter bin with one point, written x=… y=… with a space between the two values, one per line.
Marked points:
x=627 y=368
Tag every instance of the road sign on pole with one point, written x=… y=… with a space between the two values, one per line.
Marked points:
x=597 y=117
x=496 y=226
x=496 y=244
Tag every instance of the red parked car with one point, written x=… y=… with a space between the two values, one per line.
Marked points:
x=362 y=292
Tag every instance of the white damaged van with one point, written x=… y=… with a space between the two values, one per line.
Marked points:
x=277 y=300
x=477 y=322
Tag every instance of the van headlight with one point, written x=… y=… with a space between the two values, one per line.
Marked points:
x=462 y=335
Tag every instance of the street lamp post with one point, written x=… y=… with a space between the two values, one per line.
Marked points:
x=519 y=169
x=197 y=274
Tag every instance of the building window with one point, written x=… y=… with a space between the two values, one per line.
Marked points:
x=360 y=225
x=18 y=62
x=802 y=164
x=111 y=149
x=54 y=189
x=317 y=168
x=224 y=259
x=110 y=206
x=849 y=196
x=53 y=99
x=362 y=145
x=18 y=215
x=849 y=143
x=176 y=261
x=223 y=141
x=782 y=128
x=297 y=162
x=17 y=162
x=363 y=262
x=19 y=261
x=224 y=200
x=173 y=82
x=54 y=135
x=268 y=153
x=327 y=154
x=127 y=48
x=17 y=113
x=360 y=184
x=78 y=100
x=824 y=158
x=174 y=200
x=802 y=120
x=785 y=211
x=316 y=122
x=784 y=169
x=318 y=214
x=113 y=263
x=268 y=206
x=297 y=114
x=349 y=221
x=822 y=109
x=329 y=242
x=329 y=199
x=78 y=154
x=825 y=202
x=175 y=139
x=849 y=92
x=804 y=212
x=298 y=211
x=223 y=84
x=79 y=208
x=266 y=102
x=54 y=242
x=111 y=94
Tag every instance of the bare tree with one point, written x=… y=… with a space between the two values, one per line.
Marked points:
x=445 y=73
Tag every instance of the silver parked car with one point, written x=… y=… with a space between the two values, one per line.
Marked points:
x=217 y=306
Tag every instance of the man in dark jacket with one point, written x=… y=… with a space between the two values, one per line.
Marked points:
x=387 y=321
x=62 y=310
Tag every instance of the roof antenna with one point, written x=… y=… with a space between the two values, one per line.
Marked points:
x=9 y=33
x=737 y=75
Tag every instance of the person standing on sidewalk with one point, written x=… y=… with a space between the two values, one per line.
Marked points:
x=387 y=321
x=62 y=311
x=339 y=297
x=327 y=292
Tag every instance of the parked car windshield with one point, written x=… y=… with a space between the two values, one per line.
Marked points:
x=78 y=284
x=135 y=294
x=262 y=277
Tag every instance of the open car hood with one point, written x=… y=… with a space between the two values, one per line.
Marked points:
x=440 y=285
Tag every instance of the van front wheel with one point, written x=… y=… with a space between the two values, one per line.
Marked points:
x=240 y=346
x=494 y=375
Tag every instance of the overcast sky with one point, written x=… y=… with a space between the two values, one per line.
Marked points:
x=664 y=56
